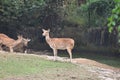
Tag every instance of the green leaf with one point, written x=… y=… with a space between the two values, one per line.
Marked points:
x=117 y=1
x=118 y=12
x=115 y=16
x=119 y=19
x=110 y=29
x=119 y=28
x=110 y=18
x=109 y=24
x=113 y=23
x=114 y=10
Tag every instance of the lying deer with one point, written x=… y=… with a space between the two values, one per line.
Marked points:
x=59 y=43
x=23 y=45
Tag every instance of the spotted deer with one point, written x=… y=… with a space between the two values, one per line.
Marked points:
x=22 y=47
x=59 y=43
x=11 y=43
x=25 y=44
x=5 y=40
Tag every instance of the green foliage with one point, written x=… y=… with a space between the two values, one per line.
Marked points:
x=99 y=11
x=96 y=10
x=99 y=8
x=73 y=15
x=20 y=15
x=13 y=9
x=114 y=19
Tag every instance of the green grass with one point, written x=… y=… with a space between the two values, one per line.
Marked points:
x=16 y=65
x=32 y=67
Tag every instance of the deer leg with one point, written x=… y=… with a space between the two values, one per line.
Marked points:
x=1 y=45
x=25 y=51
x=55 y=54
x=70 y=54
x=1 y=48
x=11 y=49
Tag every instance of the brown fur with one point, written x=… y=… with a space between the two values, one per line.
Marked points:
x=59 y=43
x=22 y=47
x=11 y=43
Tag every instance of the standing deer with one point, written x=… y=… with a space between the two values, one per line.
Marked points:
x=59 y=43
x=15 y=43
x=11 y=43
x=5 y=40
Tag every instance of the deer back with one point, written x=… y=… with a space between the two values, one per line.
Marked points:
x=61 y=43
x=5 y=40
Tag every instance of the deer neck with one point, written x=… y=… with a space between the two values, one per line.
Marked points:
x=18 y=41
x=48 y=39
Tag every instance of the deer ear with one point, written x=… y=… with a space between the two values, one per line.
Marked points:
x=43 y=30
x=48 y=30
x=29 y=39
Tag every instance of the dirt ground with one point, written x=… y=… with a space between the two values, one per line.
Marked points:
x=104 y=72
x=85 y=61
x=94 y=63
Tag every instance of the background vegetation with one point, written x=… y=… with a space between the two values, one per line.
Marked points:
x=92 y=23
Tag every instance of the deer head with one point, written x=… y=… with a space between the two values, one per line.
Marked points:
x=25 y=41
x=45 y=32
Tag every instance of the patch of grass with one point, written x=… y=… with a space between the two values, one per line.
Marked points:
x=17 y=65
x=22 y=64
